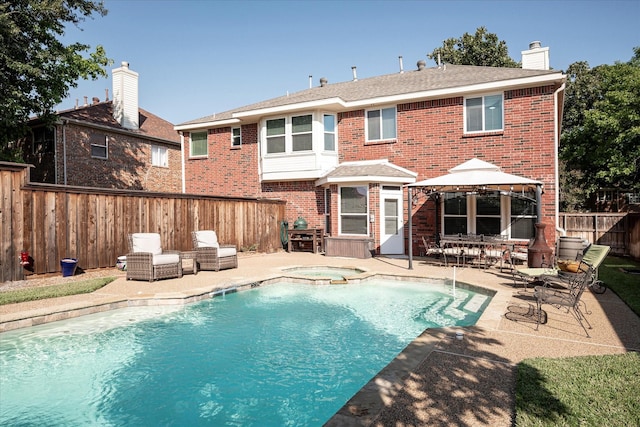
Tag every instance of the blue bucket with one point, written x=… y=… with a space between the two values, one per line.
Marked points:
x=68 y=266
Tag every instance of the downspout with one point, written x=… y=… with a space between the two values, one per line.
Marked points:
x=562 y=231
x=64 y=151
x=410 y=221
x=184 y=184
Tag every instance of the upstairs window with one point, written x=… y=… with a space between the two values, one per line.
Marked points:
x=381 y=124
x=43 y=140
x=99 y=146
x=236 y=137
x=159 y=156
x=329 y=122
x=276 y=136
x=198 y=146
x=301 y=133
x=483 y=114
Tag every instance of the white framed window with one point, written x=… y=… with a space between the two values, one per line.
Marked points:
x=159 y=156
x=198 y=144
x=381 y=124
x=489 y=214
x=484 y=113
x=236 y=137
x=329 y=124
x=276 y=136
x=354 y=210
x=302 y=133
x=99 y=146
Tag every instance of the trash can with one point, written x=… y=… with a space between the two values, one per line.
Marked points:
x=68 y=266
x=121 y=264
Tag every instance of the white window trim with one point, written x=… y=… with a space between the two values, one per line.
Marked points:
x=233 y=138
x=105 y=146
x=483 y=130
x=366 y=123
x=317 y=134
x=162 y=154
x=366 y=215
x=198 y=156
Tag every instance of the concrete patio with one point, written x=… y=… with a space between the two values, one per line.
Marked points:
x=437 y=379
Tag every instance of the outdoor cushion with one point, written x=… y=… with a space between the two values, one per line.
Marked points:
x=146 y=242
x=207 y=239
x=224 y=252
x=163 y=259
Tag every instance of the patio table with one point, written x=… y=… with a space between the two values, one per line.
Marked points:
x=476 y=250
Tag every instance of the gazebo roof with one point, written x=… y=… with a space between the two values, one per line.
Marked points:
x=477 y=174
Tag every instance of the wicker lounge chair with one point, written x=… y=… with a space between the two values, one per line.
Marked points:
x=210 y=254
x=147 y=261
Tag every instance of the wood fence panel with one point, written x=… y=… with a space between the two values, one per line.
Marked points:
x=611 y=229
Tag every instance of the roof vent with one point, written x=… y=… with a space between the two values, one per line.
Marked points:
x=323 y=81
x=421 y=64
x=535 y=45
x=355 y=75
x=401 y=66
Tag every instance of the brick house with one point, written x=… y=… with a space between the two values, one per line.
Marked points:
x=108 y=144
x=342 y=154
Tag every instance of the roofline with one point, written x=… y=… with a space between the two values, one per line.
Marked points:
x=364 y=178
x=339 y=103
x=115 y=130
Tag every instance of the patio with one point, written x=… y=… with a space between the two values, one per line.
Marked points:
x=436 y=380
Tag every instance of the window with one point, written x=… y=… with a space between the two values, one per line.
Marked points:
x=198 y=146
x=329 y=121
x=275 y=136
x=159 y=156
x=455 y=213
x=381 y=124
x=236 y=137
x=523 y=216
x=42 y=140
x=483 y=113
x=99 y=146
x=354 y=210
x=302 y=138
x=488 y=214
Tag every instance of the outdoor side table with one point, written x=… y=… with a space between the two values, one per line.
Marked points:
x=189 y=255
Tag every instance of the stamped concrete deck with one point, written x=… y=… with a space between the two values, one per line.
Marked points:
x=437 y=380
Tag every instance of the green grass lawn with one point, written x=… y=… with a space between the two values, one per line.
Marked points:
x=66 y=289
x=590 y=390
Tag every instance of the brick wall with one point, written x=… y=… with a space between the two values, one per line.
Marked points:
x=128 y=165
x=430 y=141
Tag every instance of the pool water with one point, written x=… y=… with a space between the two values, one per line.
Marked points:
x=334 y=273
x=279 y=355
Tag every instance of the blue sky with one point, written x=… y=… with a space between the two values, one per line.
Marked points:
x=198 y=57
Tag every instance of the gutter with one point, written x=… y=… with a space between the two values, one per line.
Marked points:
x=562 y=231
x=184 y=184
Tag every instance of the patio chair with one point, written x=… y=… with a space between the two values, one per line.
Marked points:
x=210 y=254
x=147 y=261
x=594 y=255
x=565 y=291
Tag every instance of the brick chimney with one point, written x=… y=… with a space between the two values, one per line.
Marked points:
x=125 y=96
x=536 y=58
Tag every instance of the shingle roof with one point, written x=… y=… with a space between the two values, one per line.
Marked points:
x=429 y=79
x=101 y=114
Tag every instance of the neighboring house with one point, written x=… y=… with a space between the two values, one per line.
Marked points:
x=342 y=154
x=109 y=144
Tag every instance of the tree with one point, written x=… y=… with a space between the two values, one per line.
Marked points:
x=600 y=143
x=36 y=68
x=482 y=48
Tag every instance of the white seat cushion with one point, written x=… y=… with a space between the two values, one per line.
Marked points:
x=223 y=252
x=207 y=239
x=146 y=242
x=166 y=259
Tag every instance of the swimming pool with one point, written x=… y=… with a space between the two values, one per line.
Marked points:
x=283 y=354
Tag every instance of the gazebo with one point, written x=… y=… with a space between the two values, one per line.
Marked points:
x=473 y=176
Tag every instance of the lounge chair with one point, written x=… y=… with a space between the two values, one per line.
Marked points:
x=210 y=254
x=565 y=291
x=594 y=256
x=147 y=261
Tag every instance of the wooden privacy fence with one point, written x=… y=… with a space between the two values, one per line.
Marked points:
x=621 y=231
x=52 y=222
